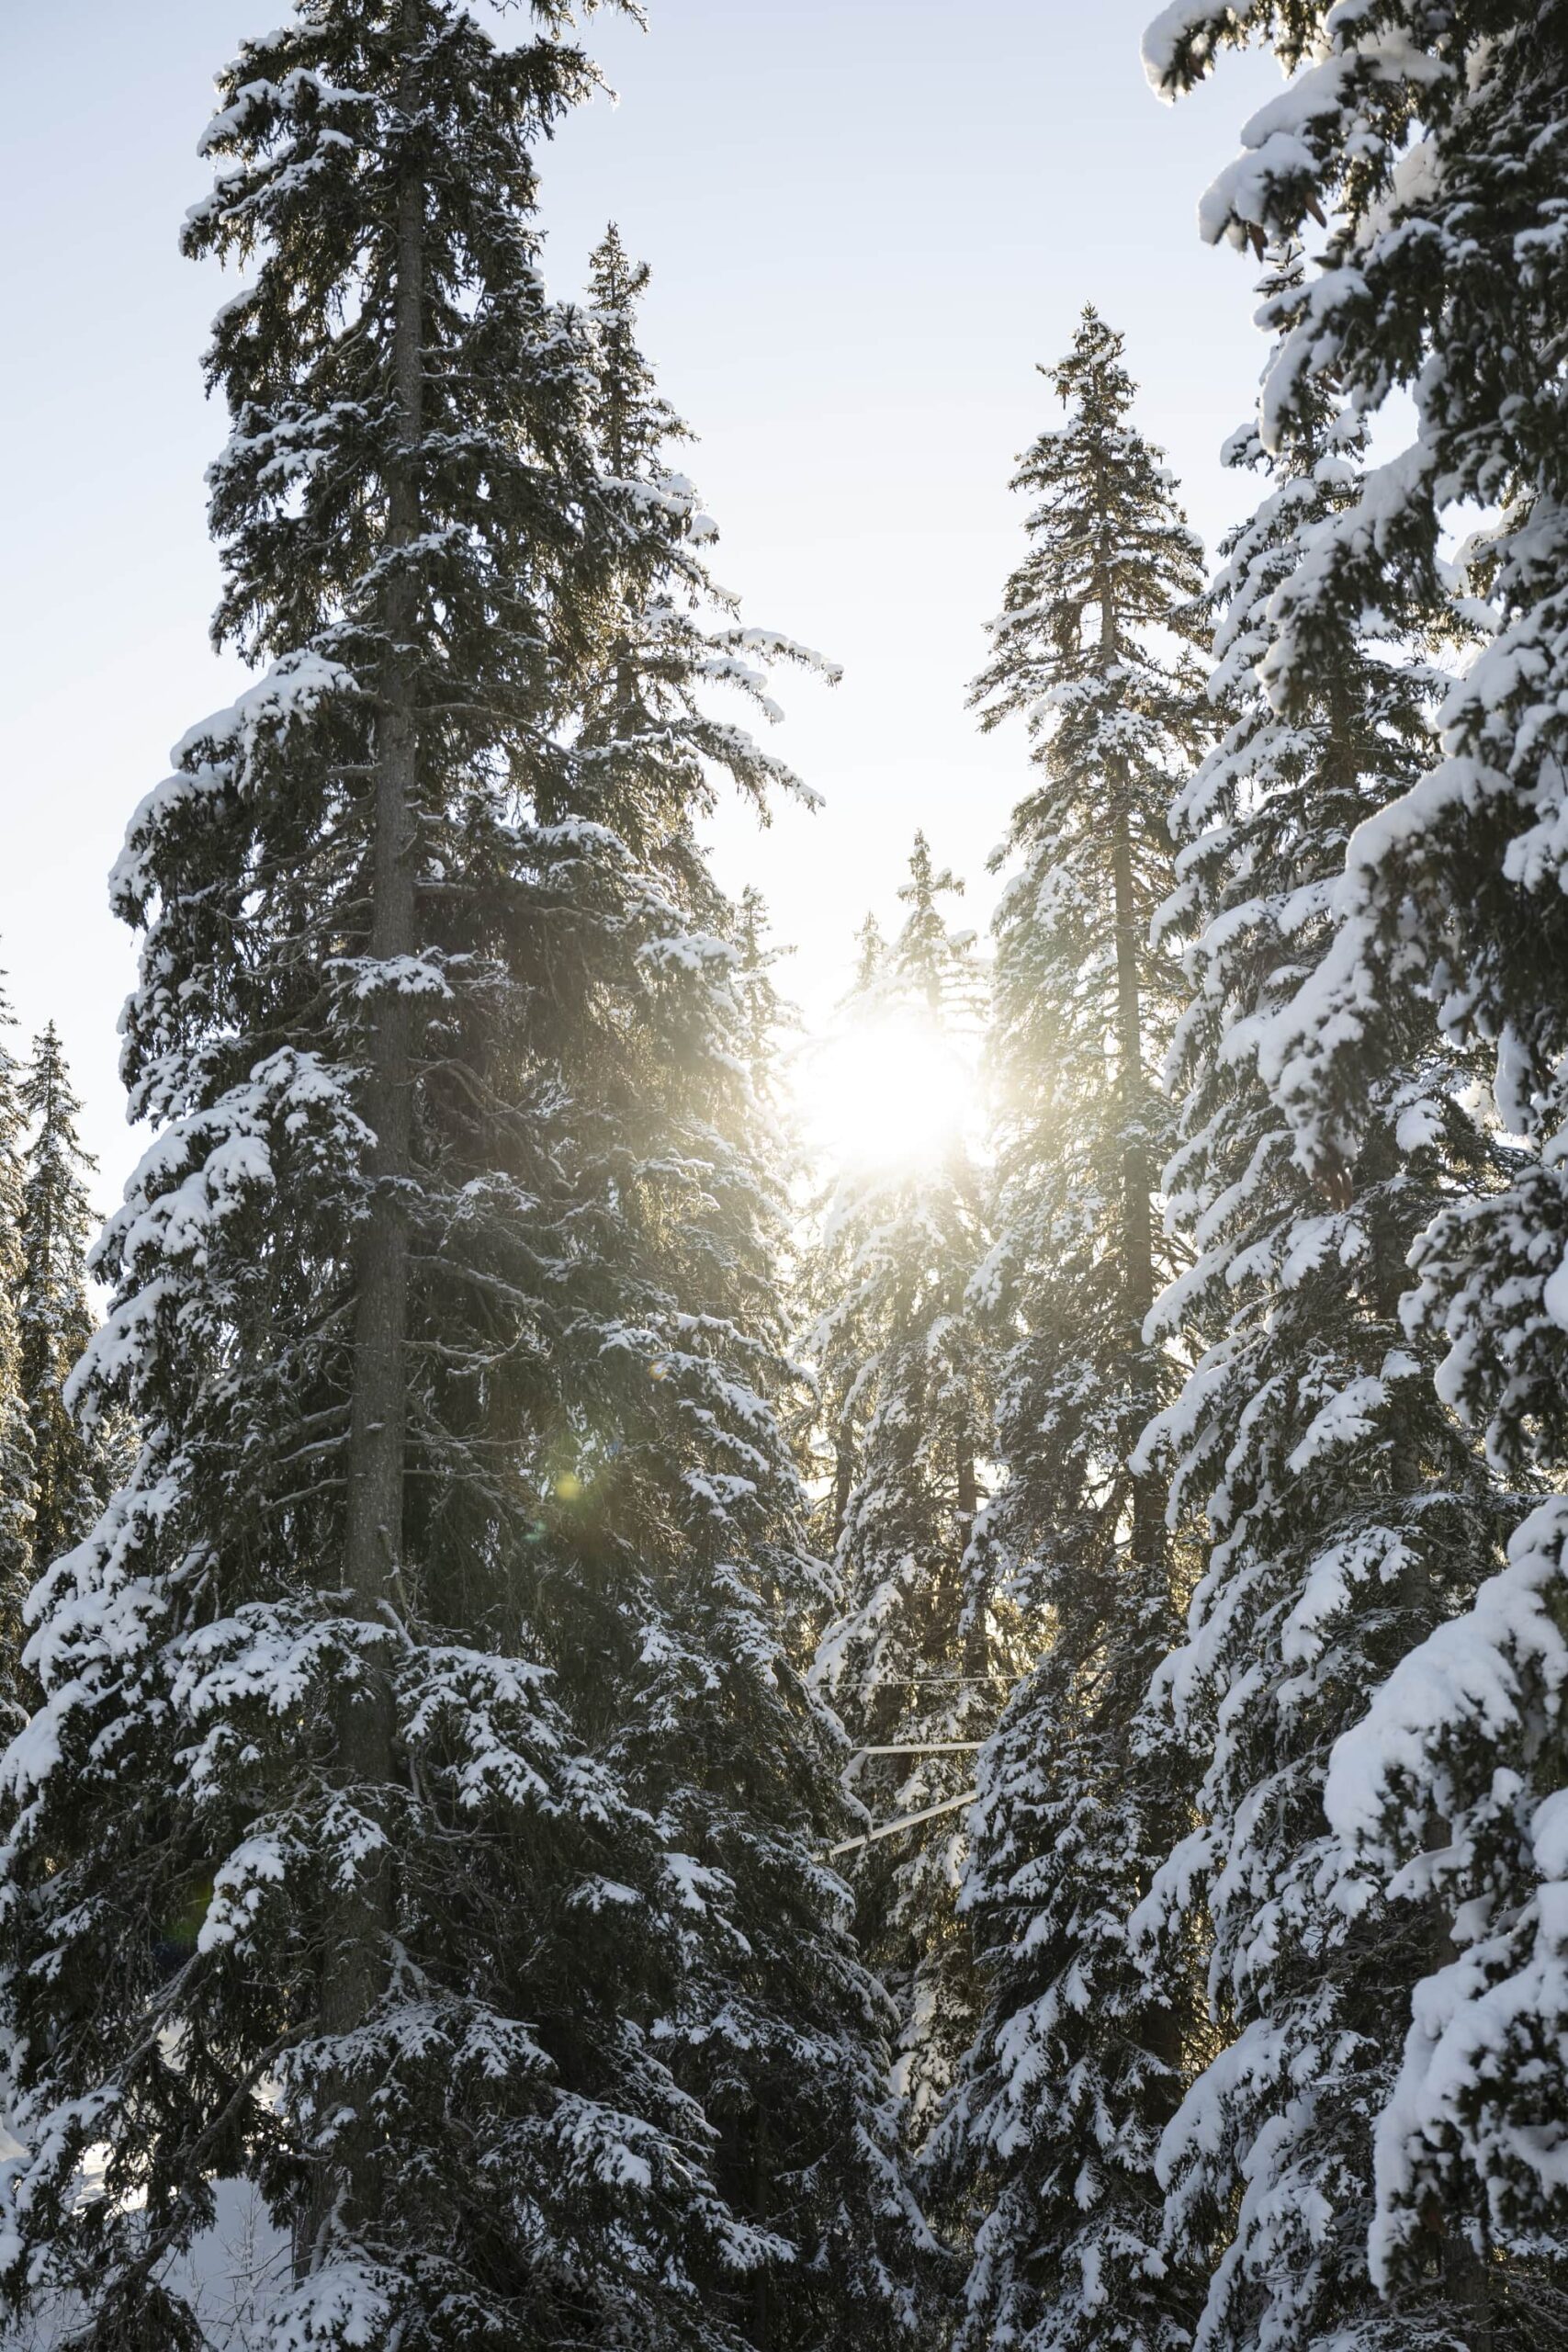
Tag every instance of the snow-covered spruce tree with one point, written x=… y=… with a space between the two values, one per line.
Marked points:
x=72 y=1477
x=1434 y=139
x=16 y=1437
x=834 y=1423
x=327 y=1870
x=669 y=1336
x=1345 y=1510
x=1049 y=2145
x=916 y=1653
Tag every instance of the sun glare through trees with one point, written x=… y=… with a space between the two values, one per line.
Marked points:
x=893 y=1092
x=675 y=1684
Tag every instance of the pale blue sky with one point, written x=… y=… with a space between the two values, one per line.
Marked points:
x=867 y=220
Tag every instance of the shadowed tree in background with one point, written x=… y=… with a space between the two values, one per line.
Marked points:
x=916 y=1652
x=16 y=1435
x=1046 y=2154
x=672 y=1218
x=73 y=1473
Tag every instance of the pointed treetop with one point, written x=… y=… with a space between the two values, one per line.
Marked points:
x=1092 y=375
x=616 y=281
x=635 y=424
x=50 y=1103
x=1110 y=553
x=927 y=951
x=870 y=956
x=47 y=1093
x=925 y=885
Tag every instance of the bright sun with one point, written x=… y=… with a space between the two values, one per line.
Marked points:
x=888 y=1093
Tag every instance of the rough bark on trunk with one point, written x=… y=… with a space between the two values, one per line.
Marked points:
x=1469 y=2292
x=762 y=2298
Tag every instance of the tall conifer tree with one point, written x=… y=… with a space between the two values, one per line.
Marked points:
x=1049 y=2147
x=15 y=1436
x=1345 y=1510
x=344 y=1861
x=1433 y=140
x=913 y=1656
x=671 y=1218
x=71 y=1469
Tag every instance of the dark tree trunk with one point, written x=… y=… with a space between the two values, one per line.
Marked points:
x=1137 y=1215
x=762 y=2290
x=843 y=1481
x=356 y=1962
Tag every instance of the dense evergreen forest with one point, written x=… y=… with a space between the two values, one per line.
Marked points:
x=625 y=1736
